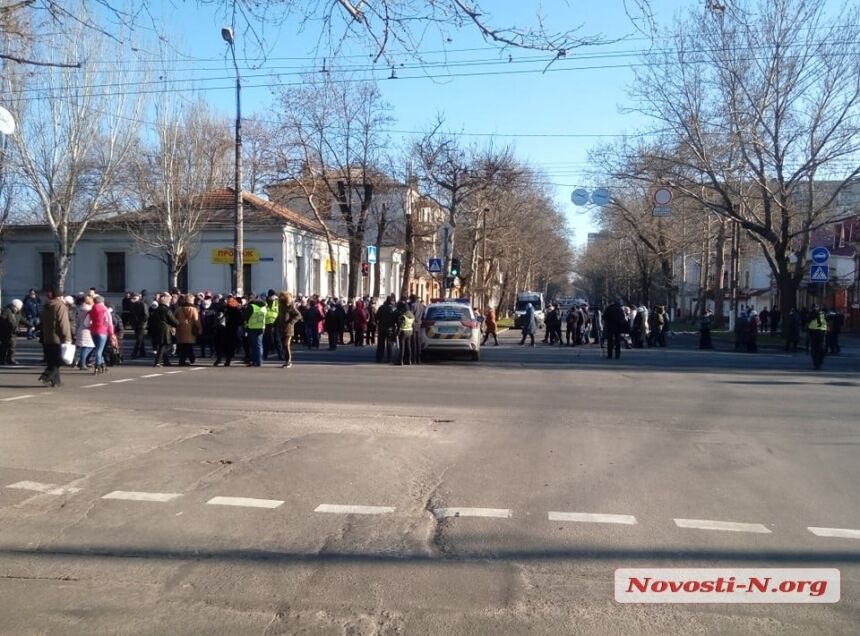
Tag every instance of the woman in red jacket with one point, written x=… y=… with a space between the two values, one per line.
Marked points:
x=101 y=328
x=360 y=319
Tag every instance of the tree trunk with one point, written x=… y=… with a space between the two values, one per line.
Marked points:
x=355 y=247
x=720 y=266
x=61 y=272
x=408 y=256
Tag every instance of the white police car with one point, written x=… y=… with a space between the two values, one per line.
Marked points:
x=451 y=328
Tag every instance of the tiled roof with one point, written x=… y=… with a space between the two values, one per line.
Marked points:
x=223 y=199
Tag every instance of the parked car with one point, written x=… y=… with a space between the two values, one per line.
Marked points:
x=450 y=328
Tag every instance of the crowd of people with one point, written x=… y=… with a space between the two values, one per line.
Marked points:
x=253 y=328
x=821 y=326
x=257 y=327
x=637 y=326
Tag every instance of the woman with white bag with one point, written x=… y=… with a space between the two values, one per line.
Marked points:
x=56 y=333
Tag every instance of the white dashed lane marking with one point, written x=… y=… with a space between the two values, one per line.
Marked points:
x=171 y=372
x=152 y=375
x=48 y=489
x=160 y=497
x=726 y=526
x=591 y=517
x=123 y=380
x=353 y=510
x=837 y=533
x=444 y=513
x=197 y=368
x=247 y=502
x=92 y=386
x=17 y=397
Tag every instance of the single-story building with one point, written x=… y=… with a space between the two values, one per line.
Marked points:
x=283 y=250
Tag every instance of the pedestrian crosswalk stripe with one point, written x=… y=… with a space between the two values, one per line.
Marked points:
x=590 y=517
x=728 y=526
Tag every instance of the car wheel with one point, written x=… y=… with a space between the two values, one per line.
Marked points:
x=476 y=355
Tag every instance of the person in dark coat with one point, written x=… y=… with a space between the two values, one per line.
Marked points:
x=10 y=318
x=56 y=331
x=791 y=331
x=386 y=317
x=138 y=315
x=615 y=323
x=835 y=320
x=705 y=325
x=333 y=327
x=164 y=324
x=529 y=325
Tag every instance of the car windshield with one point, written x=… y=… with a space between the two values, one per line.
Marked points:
x=441 y=314
x=522 y=305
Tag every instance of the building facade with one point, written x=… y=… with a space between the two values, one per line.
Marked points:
x=283 y=250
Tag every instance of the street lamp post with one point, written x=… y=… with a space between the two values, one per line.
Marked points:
x=238 y=212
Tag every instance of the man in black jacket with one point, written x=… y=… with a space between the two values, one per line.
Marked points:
x=385 y=324
x=138 y=315
x=614 y=323
x=163 y=324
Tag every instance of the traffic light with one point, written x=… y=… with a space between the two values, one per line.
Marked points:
x=365 y=269
x=455 y=267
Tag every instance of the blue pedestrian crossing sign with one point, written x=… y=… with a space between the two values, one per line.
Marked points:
x=435 y=266
x=819 y=273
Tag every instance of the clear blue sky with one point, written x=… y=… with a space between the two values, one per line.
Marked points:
x=570 y=99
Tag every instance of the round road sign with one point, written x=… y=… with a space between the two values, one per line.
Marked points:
x=7 y=122
x=662 y=196
x=579 y=196
x=600 y=196
x=820 y=255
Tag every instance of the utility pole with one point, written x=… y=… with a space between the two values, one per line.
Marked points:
x=238 y=212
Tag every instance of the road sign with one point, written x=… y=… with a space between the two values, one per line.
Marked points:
x=662 y=196
x=600 y=196
x=7 y=122
x=820 y=255
x=435 y=266
x=371 y=253
x=662 y=210
x=579 y=196
x=819 y=273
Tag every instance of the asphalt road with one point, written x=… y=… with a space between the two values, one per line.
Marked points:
x=345 y=497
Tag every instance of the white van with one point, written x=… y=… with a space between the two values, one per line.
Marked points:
x=523 y=300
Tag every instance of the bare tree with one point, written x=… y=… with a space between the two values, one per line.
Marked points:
x=189 y=157
x=759 y=101
x=389 y=28
x=334 y=145
x=453 y=175
x=72 y=141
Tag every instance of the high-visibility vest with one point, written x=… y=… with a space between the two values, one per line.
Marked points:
x=257 y=319
x=818 y=323
x=272 y=313
x=406 y=322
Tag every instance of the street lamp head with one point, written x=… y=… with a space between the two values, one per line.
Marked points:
x=227 y=34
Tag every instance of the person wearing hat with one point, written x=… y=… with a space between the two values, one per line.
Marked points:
x=162 y=327
x=10 y=318
x=138 y=315
x=56 y=332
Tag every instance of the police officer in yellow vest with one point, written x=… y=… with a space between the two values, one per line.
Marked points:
x=271 y=343
x=817 y=330
x=405 y=324
x=255 y=323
